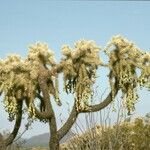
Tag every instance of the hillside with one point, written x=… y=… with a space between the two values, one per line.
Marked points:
x=42 y=140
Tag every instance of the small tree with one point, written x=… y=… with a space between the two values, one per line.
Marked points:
x=35 y=78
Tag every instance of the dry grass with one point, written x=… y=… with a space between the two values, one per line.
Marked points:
x=125 y=136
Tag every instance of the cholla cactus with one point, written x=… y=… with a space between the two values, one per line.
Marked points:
x=11 y=69
x=124 y=60
x=80 y=65
x=37 y=77
x=19 y=77
x=144 y=79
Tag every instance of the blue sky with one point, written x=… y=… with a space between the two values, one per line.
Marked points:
x=64 y=22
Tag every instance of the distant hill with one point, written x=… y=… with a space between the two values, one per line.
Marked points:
x=43 y=139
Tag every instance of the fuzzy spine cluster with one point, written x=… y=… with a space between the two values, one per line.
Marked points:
x=125 y=61
x=80 y=66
